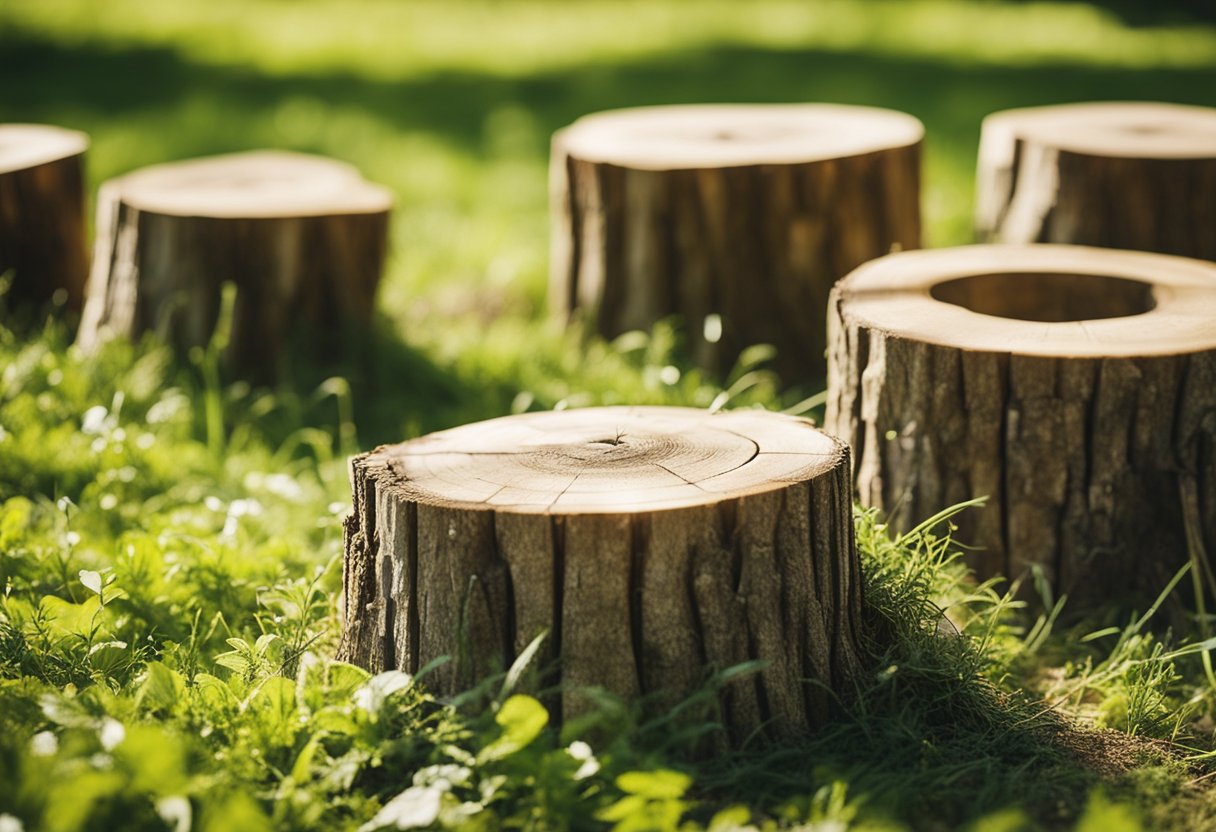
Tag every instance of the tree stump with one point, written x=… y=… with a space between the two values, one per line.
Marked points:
x=738 y=219
x=42 y=213
x=302 y=238
x=1075 y=387
x=1123 y=175
x=651 y=543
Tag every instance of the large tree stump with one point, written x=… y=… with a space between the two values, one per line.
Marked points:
x=651 y=543
x=42 y=213
x=1123 y=175
x=738 y=219
x=302 y=238
x=1073 y=386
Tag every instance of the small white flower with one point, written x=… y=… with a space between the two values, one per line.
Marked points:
x=94 y=421
x=111 y=733
x=9 y=823
x=580 y=751
x=243 y=508
x=175 y=810
x=107 y=502
x=282 y=485
x=44 y=744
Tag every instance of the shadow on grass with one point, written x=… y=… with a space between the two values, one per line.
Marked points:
x=87 y=83
x=397 y=391
x=156 y=89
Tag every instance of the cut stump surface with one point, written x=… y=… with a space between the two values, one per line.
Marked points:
x=1128 y=175
x=303 y=239
x=1075 y=387
x=651 y=544
x=736 y=219
x=42 y=213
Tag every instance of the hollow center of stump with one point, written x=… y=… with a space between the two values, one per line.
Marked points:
x=1046 y=297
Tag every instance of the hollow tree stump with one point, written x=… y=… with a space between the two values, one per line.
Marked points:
x=651 y=543
x=302 y=238
x=1073 y=386
x=42 y=213
x=1120 y=175
x=738 y=219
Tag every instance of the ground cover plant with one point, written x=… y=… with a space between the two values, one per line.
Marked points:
x=170 y=534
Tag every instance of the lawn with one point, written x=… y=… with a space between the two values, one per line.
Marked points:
x=170 y=537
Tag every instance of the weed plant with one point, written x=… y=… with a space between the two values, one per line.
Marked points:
x=170 y=535
x=168 y=557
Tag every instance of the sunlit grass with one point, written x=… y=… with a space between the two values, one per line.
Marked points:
x=208 y=511
x=387 y=39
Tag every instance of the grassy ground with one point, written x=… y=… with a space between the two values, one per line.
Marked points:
x=168 y=537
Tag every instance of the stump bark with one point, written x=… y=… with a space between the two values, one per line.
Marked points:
x=1120 y=175
x=737 y=219
x=1075 y=387
x=652 y=544
x=42 y=213
x=302 y=238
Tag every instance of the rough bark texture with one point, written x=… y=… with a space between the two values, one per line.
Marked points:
x=1128 y=176
x=42 y=214
x=639 y=594
x=304 y=266
x=748 y=248
x=1097 y=468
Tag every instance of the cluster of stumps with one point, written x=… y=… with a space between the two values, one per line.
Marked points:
x=1065 y=369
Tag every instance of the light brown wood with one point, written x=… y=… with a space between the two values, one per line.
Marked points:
x=303 y=239
x=42 y=214
x=651 y=543
x=1130 y=175
x=1075 y=387
x=735 y=218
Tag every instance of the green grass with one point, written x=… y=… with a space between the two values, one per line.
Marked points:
x=169 y=539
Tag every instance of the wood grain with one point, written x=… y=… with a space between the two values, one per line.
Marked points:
x=302 y=238
x=1071 y=428
x=735 y=218
x=42 y=236
x=652 y=544
x=1128 y=175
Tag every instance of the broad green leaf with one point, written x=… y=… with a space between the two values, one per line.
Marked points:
x=626 y=807
x=274 y=700
x=376 y=690
x=66 y=618
x=1101 y=815
x=155 y=758
x=214 y=693
x=729 y=819
x=302 y=767
x=14 y=517
x=108 y=656
x=234 y=661
x=161 y=688
x=522 y=719
x=236 y=811
x=660 y=784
